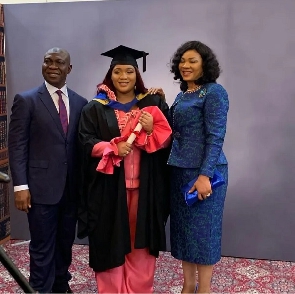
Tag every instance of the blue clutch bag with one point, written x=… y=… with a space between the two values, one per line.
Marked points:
x=191 y=198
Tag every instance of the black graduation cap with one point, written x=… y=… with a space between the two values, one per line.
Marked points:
x=125 y=55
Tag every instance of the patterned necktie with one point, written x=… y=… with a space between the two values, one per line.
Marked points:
x=62 y=112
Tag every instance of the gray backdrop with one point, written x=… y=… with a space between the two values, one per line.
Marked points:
x=255 y=43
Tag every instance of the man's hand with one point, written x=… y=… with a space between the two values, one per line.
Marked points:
x=22 y=200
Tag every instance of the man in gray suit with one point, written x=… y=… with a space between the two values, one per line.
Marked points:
x=44 y=166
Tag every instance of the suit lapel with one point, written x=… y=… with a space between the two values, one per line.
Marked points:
x=49 y=104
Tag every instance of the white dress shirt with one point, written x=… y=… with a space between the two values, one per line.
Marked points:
x=52 y=91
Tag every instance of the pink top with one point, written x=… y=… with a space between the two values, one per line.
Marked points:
x=149 y=143
x=132 y=161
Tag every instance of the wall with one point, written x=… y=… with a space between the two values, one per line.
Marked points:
x=256 y=52
x=42 y=1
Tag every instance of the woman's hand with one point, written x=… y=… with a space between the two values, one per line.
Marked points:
x=158 y=91
x=147 y=121
x=124 y=148
x=203 y=186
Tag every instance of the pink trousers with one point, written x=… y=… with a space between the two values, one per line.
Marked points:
x=136 y=275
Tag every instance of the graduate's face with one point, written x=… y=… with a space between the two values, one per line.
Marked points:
x=124 y=78
x=190 y=66
x=55 y=68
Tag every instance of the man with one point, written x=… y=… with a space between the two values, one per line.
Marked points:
x=44 y=167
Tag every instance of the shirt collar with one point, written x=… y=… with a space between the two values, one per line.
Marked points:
x=51 y=89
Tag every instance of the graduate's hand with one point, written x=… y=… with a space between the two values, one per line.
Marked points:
x=147 y=121
x=124 y=148
x=203 y=186
x=158 y=91
x=22 y=200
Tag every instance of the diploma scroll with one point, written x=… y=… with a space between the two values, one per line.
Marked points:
x=132 y=136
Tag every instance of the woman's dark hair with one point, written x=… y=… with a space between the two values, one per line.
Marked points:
x=211 y=68
x=140 y=88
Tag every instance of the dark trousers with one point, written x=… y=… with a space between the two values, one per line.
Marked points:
x=52 y=229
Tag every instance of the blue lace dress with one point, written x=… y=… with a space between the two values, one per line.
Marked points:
x=199 y=126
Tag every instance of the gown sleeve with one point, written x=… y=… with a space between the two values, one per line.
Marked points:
x=93 y=147
x=88 y=137
x=160 y=136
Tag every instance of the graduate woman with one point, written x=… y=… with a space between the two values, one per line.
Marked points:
x=125 y=197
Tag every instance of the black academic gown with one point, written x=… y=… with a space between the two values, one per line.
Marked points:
x=103 y=213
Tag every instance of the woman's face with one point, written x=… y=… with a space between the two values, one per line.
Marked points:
x=190 y=66
x=124 y=78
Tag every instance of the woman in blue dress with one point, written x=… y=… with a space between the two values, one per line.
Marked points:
x=198 y=118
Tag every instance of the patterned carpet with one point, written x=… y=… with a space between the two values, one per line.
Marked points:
x=231 y=275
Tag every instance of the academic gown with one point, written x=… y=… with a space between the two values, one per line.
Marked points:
x=103 y=213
